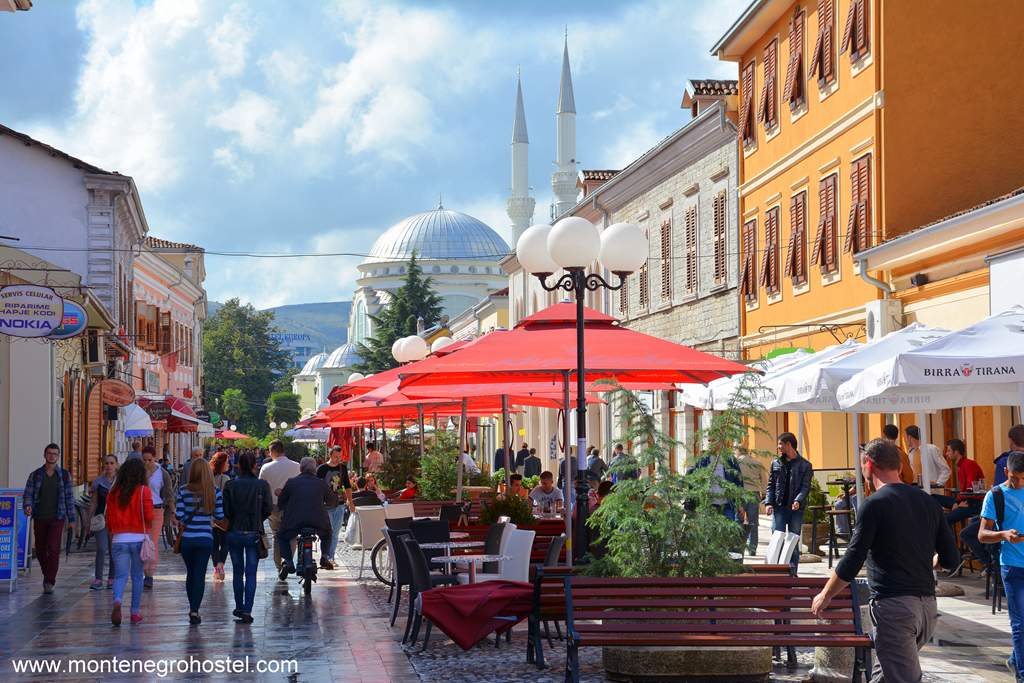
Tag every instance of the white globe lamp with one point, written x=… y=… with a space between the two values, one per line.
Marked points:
x=440 y=343
x=624 y=248
x=414 y=348
x=574 y=242
x=355 y=377
x=273 y=425
x=232 y=427
x=532 y=250
x=395 y=349
x=283 y=425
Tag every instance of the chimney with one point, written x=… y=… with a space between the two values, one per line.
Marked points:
x=701 y=94
x=589 y=181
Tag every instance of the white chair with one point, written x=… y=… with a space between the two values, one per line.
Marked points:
x=369 y=522
x=398 y=511
x=517 y=544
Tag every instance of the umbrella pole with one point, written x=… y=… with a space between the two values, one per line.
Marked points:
x=926 y=466
x=858 y=475
x=567 y=475
x=419 y=416
x=462 y=449
x=384 y=437
x=505 y=442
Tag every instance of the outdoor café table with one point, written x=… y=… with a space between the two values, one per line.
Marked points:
x=459 y=534
x=468 y=613
x=450 y=545
x=471 y=561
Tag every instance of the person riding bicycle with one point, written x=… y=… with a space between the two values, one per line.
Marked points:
x=304 y=500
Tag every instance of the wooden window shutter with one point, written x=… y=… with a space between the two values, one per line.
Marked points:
x=666 y=259
x=165 y=332
x=795 y=71
x=624 y=297
x=691 y=250
x=767 y=112
x=747 y=134
x=855 y=35
x=152 y=328
x=820 y=239
x=770 y=255
x=858 y=227
x=831 y=228
x=796 y=254
x=749 y=279
x=645 y=292
x=721 y=270
x=822 y=61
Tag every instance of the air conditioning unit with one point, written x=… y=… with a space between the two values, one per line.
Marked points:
x=881 y=317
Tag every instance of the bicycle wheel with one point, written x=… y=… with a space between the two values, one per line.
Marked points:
x=169 y=536
x=380 y=562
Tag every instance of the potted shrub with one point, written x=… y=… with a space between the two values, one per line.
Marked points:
x=402 y=459
x=668 y=524
x=438 y=467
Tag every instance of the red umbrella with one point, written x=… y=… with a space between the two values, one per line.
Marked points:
x=542 y=347
x=228 y=434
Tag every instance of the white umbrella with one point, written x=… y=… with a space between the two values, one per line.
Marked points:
x=136 y=421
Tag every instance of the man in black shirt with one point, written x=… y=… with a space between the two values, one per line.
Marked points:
x=899 y=530
x=335 y=473
x=521 y=457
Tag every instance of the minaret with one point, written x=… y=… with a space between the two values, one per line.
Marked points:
x=563 y=180
x=520 y=204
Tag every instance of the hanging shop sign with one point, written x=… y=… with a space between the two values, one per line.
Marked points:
x=203 y=415
x=117 y=393
x=73 y=322
x=30 y=310
x=158 y=411
x=212 y=417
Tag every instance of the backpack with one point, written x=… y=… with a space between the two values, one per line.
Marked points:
x=999 y=499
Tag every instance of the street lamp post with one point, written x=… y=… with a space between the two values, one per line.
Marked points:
x=573 y=244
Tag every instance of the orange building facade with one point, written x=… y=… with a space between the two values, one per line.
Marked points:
x=860 y=120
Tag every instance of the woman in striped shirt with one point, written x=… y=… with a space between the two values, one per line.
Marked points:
x=198 y=504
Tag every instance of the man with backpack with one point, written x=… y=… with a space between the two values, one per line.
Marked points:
x=1002 y=518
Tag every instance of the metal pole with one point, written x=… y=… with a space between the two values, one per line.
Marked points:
x=419 y=419
x=858 y=475
x=582 y=544
x=926 y=466
x=566 y=511
x=506 y=445
x=463 y=448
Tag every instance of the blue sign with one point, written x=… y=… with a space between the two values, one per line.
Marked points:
x=22 y=524
x=8 y=541
x=73 y=323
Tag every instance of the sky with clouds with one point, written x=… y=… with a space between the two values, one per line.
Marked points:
x=311 y=127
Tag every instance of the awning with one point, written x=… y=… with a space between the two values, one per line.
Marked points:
x=205 y=429
x=182 y=418
x=136 y=421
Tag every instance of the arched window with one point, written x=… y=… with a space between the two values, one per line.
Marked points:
x=454 y=269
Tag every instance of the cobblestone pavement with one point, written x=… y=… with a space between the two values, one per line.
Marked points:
x=342 y=633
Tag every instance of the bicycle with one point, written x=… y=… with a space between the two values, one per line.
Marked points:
x=380 y=562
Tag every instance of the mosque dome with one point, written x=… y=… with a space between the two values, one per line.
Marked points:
x=439 y=234
x=313 y=364
x=345 y=356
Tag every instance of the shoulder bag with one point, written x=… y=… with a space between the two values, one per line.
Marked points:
x=148 y=552
x=177 y=541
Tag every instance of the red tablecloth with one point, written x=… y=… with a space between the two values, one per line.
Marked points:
x=467 y=613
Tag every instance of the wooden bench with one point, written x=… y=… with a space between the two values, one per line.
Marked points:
x=549 y=601
x=708 y=612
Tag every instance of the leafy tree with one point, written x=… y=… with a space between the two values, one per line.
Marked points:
x=284 y=382
x=239 y=353
x=438 y=467
x=668 y=524
x=233 y=405
x=415 y=299
x=283 y=406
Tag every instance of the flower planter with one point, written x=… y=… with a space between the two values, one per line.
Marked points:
x=689 y=664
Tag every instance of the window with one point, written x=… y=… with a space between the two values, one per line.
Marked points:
x=768 y=110
x=645 y=291
x=749 y=283
x=858 y=227
x=770 y=256
x=824 y=253
x=691 y=250
x=721 y=269
x=855 y=35
x=624 y=297
x=795 y=93
x=747 y=133
x=165 y=332
x=796 y=255
x=666 y=260
x=822 y=62
x=140 y=324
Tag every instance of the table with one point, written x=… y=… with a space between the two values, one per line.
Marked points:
x=444 y=545
x=459 y=534
x=471 y=561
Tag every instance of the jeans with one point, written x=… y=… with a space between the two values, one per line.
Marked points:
x=128 y=561
x=969 y=537
x=791 y=521
x=960 y=514
x=220 y=547
x=903 y=625
x=752 y=511
x=48 y=533
x=196 y=554
x=104 y=554
x=337 y=521
x=1013 y=585
x=244 y=562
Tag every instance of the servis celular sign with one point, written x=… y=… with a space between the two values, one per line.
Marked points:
x=30 y=310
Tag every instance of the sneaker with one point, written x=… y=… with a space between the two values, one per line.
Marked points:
x=96 y=585
x=326 y=564
x=136 y=618
x=194 y=618
x=1010 y=666
x=110 y=584
x=245 y=618
x=115 y=614
x=237 y=612
x=47 y=588
x=147 y=583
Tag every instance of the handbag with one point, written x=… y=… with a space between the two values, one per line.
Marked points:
x=177 y=541
x=97 y=523
x=148 y=551
x=262 y=552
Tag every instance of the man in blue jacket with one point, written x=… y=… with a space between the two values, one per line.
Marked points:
x=50 y=501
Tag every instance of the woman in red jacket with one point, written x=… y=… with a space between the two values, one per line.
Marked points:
x=129 y=514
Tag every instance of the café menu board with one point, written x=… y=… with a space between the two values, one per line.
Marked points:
x=9 y=538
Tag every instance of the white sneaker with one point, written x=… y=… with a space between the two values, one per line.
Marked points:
x=47 y=588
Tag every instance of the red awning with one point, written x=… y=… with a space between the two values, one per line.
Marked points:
x=182 y=418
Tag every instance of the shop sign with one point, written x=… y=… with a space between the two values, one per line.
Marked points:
x=116 y=393
x=213 y=417
x=20 y=525
x=29 y=311
x=158 y=411
x=72 y=323
x=203 y=415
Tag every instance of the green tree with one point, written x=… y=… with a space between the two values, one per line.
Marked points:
x=438 y=467
x=239 y=353
x=284 y=382
x=283 y=406
x=233 y=405
x=415 y=299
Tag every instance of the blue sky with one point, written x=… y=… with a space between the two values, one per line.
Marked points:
x=313 y=126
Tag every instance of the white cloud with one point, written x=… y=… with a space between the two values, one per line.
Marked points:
x=631 y=142
x=620 y=105
x=240 y=169
x=285 y=68
x=229 y=40
x=254 y=118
